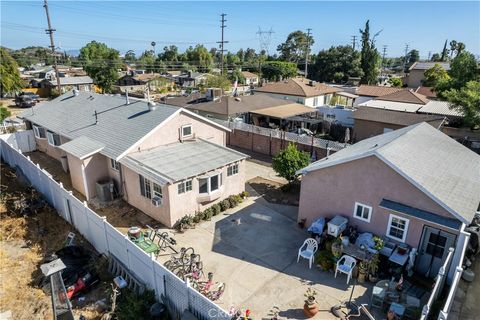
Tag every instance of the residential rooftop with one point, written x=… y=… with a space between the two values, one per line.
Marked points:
x=376 y=91
x=300 y=87
x=442 y=168
x=425 y=65
x=65 y=81
x=396 y=117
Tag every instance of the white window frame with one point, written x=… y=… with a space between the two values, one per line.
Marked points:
x=370 y=210
x=36 y=131
x=188 y=135
x=405 y=231
x=315 y=101
x=184 y=186
x=209 y=183
x=232 y=170
x=51 y=138
x=115 y=165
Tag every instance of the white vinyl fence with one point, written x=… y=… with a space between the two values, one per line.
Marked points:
x=109 y=241
x=21 y=140
x=289 y=136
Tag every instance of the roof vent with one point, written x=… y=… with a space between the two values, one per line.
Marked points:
x=238 y=99
x=312 y=83
x=152 y=106
x=75 y=92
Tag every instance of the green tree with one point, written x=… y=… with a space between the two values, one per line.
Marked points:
x=289 y=161
x=147 y=61
x=463 y=68
x=294 y=48
x=336 y=64
x=130 y=56
x=201 y=57
x=10 y=80
x=4 y=113
x=435 y=75
x=467 y=101
x=369 y=57
x=436 y=57
x=276 y=70
x=221 y=82
x=170 y=54
x=101 y=63
x=412 y=57
x=236 y=75
x=396 y=82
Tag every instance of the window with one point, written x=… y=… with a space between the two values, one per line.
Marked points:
x=115 y=165
x=315 y=102
x=362 y=212
x=184 y=186
x=39 y=132
x=397 y=228
x=210 y=184
x=186 y=131
x=149 y=188
x=233 y=169
x=53 y=138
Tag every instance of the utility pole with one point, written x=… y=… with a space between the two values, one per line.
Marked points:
x=50 y=31
x=384 y=53
x=406 y=53
x=306 y=52
x=222 y=42
x=429 y=55
x=354 y=42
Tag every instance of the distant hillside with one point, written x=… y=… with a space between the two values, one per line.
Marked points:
x=35 y=54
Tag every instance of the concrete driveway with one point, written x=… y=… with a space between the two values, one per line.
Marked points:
x=253 y=249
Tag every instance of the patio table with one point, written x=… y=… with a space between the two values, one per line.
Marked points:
x=398 y=309
x=400 y=259
x=357 y=252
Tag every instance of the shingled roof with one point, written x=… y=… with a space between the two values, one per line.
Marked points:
x=406 y=96
x=298 y=87
x=396 y=117
x=375 y=91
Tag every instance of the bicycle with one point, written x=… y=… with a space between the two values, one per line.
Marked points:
x=205 y=288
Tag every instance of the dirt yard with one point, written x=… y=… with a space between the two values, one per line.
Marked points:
x=25 y=242
x=272 y=191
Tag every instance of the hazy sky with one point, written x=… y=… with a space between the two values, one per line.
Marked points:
x=124 y=25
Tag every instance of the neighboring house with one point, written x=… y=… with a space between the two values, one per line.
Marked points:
x=191 y=79
x=229 y=108
x=370 y=122
x=140 y=82
x=366 y=93
x=307 y=92
x=416 y=73
x=427 y=92
x=414 y=185
x=68 y=83
x=410 y=101
x=166 y=161
x=251 y=79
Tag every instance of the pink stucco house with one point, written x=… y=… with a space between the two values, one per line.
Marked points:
x=166 y=161
x=414 y=185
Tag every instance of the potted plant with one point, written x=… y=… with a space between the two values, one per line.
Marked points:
x=379 y=244
x=310 y=307
x=373 y=268
x=337 y=248
x=362 y=271
x=324 y=260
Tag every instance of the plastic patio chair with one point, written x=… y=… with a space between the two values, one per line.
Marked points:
x=307 y=250
x=346 y=264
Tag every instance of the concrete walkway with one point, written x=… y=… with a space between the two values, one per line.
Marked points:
x=253 y=249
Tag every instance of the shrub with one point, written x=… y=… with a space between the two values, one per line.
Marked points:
x=245 y=194
x=207 y=214
x=197 y=217
x=238 y=198
x=325 y=259
x=225 y=204
x=216 y=209
x=233 y=201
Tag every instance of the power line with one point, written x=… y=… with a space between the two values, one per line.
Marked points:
x=222 y=42
x=50 y=31
x=354 y=42
x=265 y=37
x=306 y=52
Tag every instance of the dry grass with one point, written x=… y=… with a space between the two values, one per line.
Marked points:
x=25 y=242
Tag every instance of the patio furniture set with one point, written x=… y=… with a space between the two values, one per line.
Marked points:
x=364 y=256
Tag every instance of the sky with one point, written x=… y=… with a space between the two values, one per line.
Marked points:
x=133 y=25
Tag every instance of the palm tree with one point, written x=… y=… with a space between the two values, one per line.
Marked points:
x=453 y=47
x=460 y=47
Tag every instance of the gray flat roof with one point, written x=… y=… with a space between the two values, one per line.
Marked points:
x=82 y=147
x=182 y=160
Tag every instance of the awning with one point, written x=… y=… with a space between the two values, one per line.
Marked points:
x=421 y=214
x=347 y=94
x=82 y=147
x=285 y=111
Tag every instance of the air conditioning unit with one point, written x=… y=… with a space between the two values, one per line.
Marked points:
x=157 y=201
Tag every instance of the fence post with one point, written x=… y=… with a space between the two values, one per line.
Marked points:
x=157 y=291
x=127 y=252
x=105 y=233
x=50 y=182
x=85 y=208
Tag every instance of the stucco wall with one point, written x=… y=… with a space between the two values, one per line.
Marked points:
x=334 y=191
x=114 y=174
x=170 y=132
x=54 y=152
x=365 y=129
x=95 y=170
x=415 y=78
x=75 y=168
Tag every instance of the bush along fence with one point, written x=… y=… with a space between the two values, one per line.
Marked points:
x=106 y=239
x=272 y=141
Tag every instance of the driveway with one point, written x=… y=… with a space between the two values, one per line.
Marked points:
x=253 y=249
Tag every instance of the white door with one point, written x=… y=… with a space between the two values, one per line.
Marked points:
x=433 y=251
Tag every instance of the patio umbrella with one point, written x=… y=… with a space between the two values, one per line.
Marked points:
x=347 y=135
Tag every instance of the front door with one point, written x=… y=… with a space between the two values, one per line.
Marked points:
x=433 y=251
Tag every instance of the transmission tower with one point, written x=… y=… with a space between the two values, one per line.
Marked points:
x=265 y=37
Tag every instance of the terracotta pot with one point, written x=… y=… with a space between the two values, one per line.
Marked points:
x=310 y=309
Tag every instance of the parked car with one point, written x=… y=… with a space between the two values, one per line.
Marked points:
x=24 y=101
x=32 y=95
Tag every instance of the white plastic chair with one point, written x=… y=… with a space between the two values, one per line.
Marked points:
x=307 y=250
x=346 y=264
